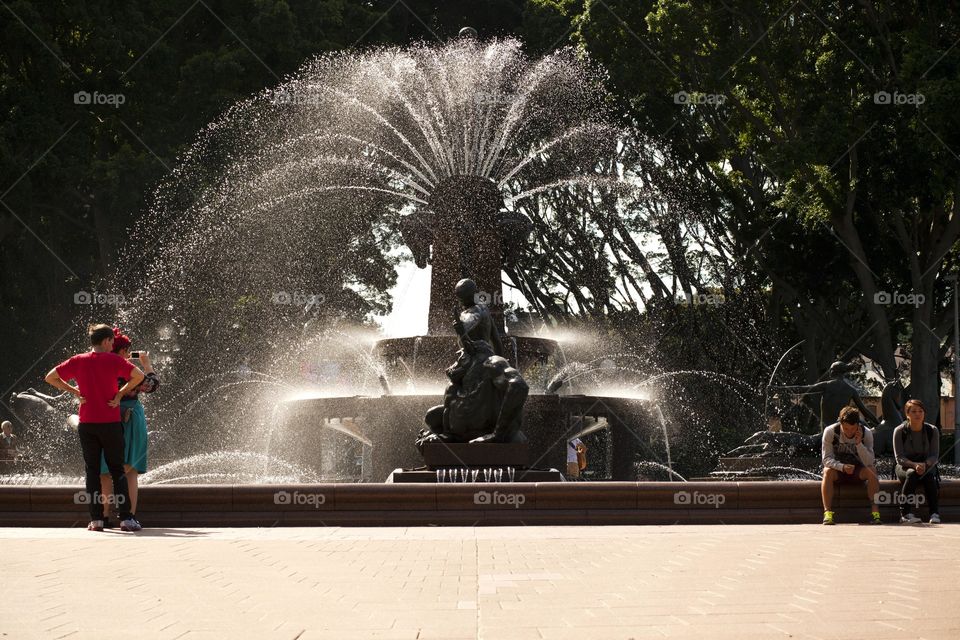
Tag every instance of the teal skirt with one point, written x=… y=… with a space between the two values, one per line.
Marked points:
x=134 y=438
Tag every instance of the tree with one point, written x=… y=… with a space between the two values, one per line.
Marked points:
x=778 y=112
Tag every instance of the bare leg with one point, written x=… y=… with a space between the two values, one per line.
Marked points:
x=827 y=487
x=873 y=486
x=133 y=487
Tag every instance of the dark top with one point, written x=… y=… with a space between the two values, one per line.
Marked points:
x=911 y=448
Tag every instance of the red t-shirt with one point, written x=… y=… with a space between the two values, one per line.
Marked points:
x=96 y=374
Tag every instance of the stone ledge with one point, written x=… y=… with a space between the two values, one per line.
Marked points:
x=465 y=504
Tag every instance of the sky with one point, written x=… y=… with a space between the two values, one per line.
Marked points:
x=411 y=300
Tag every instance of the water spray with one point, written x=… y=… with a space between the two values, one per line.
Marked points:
x=384 y=385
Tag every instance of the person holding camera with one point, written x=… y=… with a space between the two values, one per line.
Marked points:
x=576 y=458
x=134 y=422
x=916 y=448
x=100 y=431
x=847 y=452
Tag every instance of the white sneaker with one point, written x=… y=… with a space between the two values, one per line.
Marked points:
x=95 y=525
x=909 y=519
x=130 y=524
x=934 y=518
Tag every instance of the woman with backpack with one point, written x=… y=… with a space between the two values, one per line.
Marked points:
x=916 y=448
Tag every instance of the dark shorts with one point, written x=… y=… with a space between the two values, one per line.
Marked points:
x=851 y=478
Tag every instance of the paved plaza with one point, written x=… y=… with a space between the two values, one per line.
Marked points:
x=749 y=581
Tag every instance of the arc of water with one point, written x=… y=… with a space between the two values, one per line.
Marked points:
x=314 y=190
x=530 y=82
x=424 y=123
x=337 y=160
x=482 y=138
x=493 y=105
x=565 y=182
x=584 y=128
x=208 y=392
x=440 y=80
x=666 y=437
x=496 y=66
x=656 y=465
x=721 y=376
x=380 y=149
x=198 y=383
x=499 y=139
x=766 y=392
x=454 y=111
x=809 y=474
x=376 y=114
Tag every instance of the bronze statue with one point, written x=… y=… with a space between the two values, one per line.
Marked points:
x=891 y=401
x=485 y=398
x=474 y=320
x=834 y=394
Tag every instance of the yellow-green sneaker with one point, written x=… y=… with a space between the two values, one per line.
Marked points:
x=875 y=517
x=828 y=517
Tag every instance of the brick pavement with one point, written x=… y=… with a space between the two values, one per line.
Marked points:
x=735 y=581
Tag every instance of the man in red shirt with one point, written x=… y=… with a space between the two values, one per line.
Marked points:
x=97 y=373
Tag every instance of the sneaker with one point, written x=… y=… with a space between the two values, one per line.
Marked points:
x=828 y=517
x=95 y=525
x=934 y=518
x=909 y=519
x=875 y=517
x=130 y=524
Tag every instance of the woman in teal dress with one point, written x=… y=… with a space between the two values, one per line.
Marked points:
x=134 y=425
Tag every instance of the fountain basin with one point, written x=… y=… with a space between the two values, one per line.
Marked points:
x=383 y=429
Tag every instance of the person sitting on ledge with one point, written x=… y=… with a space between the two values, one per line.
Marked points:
x=916 y=448
x=847 y=448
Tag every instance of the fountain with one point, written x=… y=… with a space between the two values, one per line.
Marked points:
x=434 y=144
x=461 y=132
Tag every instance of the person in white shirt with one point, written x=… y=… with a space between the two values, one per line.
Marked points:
x=573 y=464
x=847 y=451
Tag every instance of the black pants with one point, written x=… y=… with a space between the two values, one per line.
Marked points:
x=909 y=480
x=105 y=438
